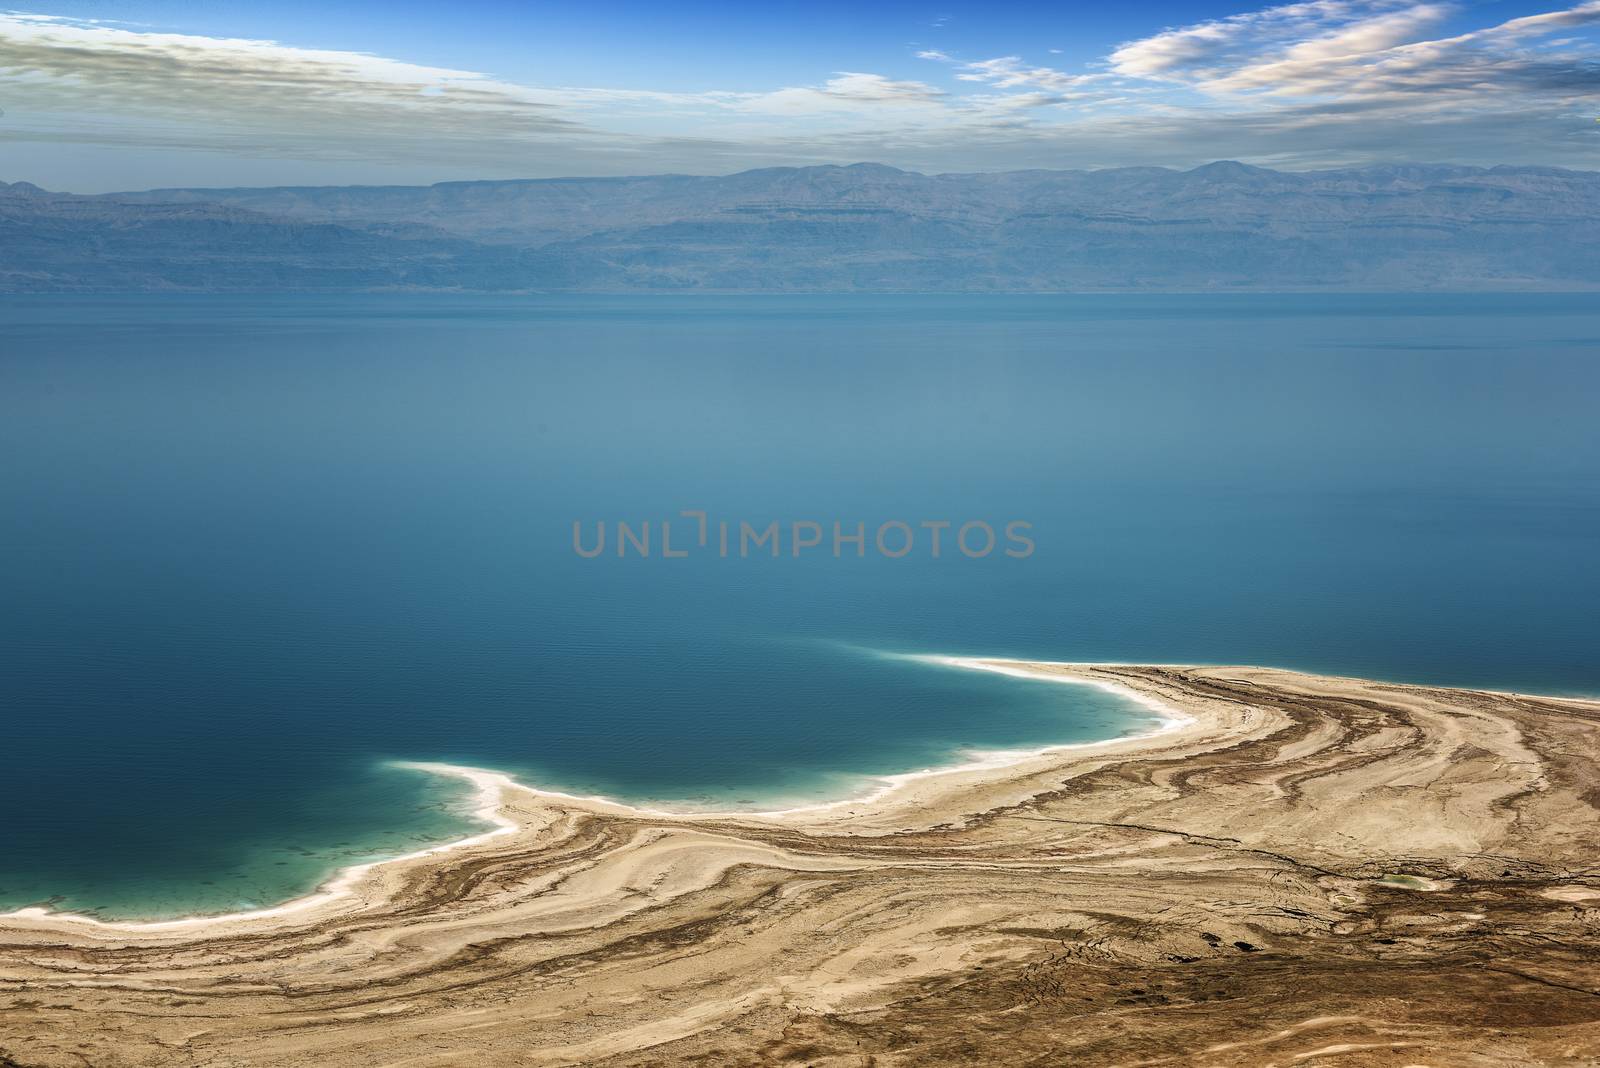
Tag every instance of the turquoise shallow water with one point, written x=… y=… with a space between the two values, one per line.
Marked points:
x=254 y=550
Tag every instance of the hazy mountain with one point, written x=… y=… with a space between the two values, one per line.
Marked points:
x=866 y=227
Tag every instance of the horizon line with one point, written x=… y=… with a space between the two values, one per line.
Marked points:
x=1397 y=164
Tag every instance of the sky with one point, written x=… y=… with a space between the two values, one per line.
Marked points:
x=114 y=94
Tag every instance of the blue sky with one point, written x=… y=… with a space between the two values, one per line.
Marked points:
x=114 y=95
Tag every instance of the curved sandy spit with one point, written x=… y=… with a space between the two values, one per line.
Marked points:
x=345 y=886
x=1294 y=864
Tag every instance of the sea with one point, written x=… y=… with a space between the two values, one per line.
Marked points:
x=257 y=552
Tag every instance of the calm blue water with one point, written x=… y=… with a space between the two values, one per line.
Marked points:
x=251 y=549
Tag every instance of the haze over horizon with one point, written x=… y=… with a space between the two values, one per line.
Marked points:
x=298 y=94
x=23 y=181
x=1223 y=226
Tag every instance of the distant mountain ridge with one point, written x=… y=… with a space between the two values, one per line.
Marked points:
x=866 y=227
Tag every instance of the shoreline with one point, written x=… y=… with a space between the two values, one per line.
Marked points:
x=490 y=787
x=1304 y=863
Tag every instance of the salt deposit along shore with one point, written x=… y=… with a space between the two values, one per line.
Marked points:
x=1293 y=869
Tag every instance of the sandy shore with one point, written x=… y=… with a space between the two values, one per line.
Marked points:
x=1296 y=870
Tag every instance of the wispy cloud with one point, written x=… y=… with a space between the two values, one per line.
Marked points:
x=1220 y=44
x=61 y=74
x=1313 y=82
x=848 y=91
x=1010 y=72
x=1369 y=50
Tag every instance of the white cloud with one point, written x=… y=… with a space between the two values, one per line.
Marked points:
x=1368 y=50
x=74 y=69
x=1010 y=72
x=847 y=93
x=1313 y=81
x=1222 y=42
x=876 y=89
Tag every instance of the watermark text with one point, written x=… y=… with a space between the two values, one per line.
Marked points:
x=695 y=532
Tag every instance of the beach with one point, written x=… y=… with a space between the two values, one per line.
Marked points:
x=1293 y=869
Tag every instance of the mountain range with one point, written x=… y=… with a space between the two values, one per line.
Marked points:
x=867 y=227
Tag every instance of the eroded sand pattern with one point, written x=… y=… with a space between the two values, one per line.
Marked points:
x=1311 y=871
